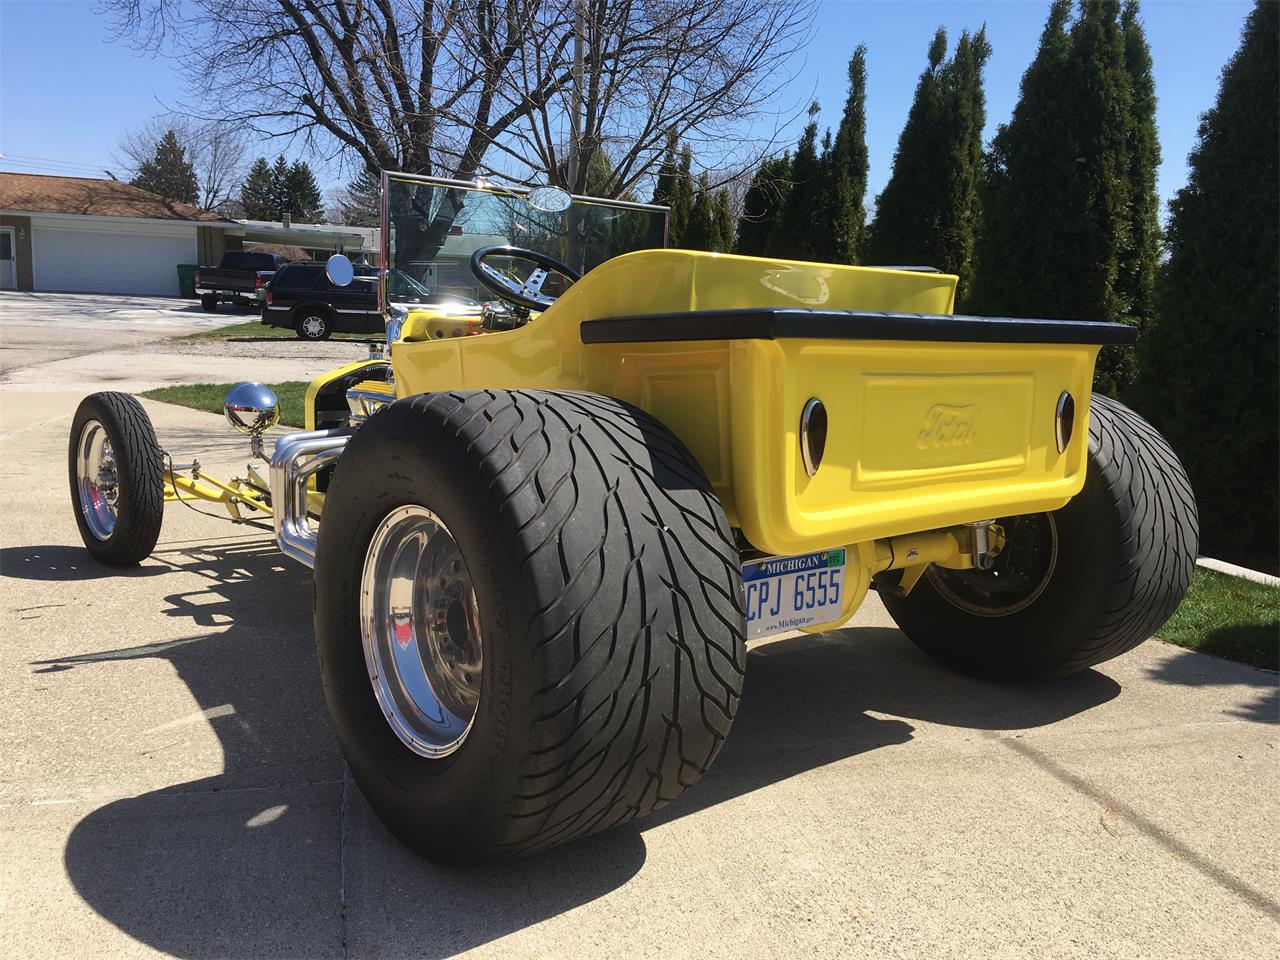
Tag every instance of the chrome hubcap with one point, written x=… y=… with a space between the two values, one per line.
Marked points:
x=420 y=626
x=313 y=326
x=97 y=480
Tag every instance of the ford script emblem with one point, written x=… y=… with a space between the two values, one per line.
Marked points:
x=948 y=425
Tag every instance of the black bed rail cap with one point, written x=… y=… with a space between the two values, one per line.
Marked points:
x=788 y=323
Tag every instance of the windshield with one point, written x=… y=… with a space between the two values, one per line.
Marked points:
x=403 y=288
x=432 y=228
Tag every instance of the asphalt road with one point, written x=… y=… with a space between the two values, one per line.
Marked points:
x=169 y=782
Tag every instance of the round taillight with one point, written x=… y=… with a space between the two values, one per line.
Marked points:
x=1064 y=420
x=813 y=435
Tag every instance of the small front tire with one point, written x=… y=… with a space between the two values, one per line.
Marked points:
x=117 y=478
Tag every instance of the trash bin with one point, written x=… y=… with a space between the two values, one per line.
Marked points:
x=187 y=280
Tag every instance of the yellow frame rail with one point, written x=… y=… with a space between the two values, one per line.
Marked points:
x=236 y=493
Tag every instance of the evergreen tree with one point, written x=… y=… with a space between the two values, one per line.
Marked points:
x=1103 y=97
x=762 y=207
x=169 y=173
x=928 y=212
x=1209 y=376
x=905 y=228
x=960 y=216
x=682 y=199
x=361 y=204
x=304 y=202
x=843 y=216
x=1028 y=221
x=1069 y=219
x=599 y=175
x=793 y=237
x=724 y=233
x=664 y=191
x=822 y=231
x=271 y=191
x=257 y=195
x=281 y=202
x=1139 y=262
x=700 y=232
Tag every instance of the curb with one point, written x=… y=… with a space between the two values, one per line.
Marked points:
x=1221 y=566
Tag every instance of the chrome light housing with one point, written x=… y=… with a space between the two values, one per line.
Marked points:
x=1064 y=421
x=813 y=435
x=251 y=409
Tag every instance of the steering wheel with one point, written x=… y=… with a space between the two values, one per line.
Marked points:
x=528 y=294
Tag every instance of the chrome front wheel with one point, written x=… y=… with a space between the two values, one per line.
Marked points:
x=97 y=480
x=116 y=471
x=420 y=627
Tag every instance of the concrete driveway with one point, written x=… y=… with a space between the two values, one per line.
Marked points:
x=127 y=343
x=43 y=327
x=169 y=784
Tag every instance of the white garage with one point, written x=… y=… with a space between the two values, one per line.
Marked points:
x=81 y=235
x=98 y=257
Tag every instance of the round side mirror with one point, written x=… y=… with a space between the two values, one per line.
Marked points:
x=549 y=199
x=339 y=270
x=251 y=408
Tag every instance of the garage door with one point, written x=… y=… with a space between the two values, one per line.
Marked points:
x=93 y=261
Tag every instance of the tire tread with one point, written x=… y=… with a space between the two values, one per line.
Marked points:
x=139 y=462
x=631 y=588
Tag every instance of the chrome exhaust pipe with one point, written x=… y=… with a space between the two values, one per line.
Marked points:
x=296 y=459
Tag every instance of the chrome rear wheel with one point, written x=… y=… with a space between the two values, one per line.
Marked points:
x=420 y=627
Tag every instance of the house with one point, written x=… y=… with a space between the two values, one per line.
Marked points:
x=317 y=241
x=100 y=236
x=82 y=235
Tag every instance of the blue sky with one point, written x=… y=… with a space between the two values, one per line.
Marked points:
x=67 y=91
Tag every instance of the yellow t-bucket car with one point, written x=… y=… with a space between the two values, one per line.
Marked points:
x=540 y=545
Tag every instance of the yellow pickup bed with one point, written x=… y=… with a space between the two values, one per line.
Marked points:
x=934 y=420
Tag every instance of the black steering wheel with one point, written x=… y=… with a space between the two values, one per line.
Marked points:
x=528 y=294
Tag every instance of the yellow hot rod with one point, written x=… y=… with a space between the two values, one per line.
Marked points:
x=541 y=543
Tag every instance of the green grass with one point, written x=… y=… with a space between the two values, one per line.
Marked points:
x=257 y=330
x=209 y=397
x=1228 y=617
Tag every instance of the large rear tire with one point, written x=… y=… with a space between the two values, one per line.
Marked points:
x=1078 y=586
x=529 y=619
x=117 y=478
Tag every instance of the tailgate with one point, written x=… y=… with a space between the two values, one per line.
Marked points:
x=227 y=279
x=932 y=420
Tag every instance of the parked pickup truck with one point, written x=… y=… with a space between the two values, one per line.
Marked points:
x=238 y=278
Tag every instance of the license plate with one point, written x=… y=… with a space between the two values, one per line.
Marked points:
x=787 y=593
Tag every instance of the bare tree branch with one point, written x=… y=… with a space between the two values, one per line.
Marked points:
x=216 y=150
x=465 y=87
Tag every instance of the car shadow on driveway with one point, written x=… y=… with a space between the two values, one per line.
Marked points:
x=279 y=855
x=59 y=562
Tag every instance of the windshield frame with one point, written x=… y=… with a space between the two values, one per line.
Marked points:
x=482 y=185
